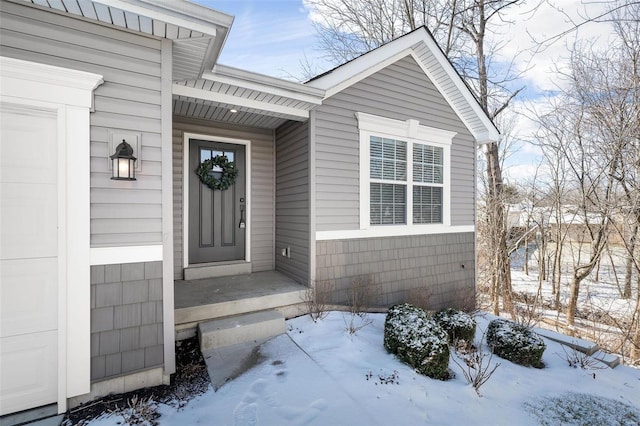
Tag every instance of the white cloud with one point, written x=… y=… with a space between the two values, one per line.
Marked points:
x=546 y=23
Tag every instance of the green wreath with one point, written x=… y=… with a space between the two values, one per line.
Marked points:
x=206 y=174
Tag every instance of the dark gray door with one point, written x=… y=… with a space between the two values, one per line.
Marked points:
x=216 y=218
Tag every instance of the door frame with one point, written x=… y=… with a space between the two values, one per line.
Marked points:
x=185 y=190
x=69 y=94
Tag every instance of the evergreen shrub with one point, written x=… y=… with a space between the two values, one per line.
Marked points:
x=417 y=340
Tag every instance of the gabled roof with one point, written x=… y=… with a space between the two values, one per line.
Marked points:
x=198 y=32
x=421 y=45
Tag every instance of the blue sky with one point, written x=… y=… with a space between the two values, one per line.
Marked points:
x=268 y=36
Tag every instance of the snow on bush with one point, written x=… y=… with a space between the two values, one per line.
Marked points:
x=459 y=325
x=515 y=342
x=417 y=340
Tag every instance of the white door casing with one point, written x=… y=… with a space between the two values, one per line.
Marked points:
x=44 y=252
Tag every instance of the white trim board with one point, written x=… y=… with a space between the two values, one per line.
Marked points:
x=69 y=93
x=126 y=254
x=185 y=190
x=393 y=231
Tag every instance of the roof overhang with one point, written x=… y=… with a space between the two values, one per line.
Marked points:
x=423 y=48
x=258 y=100
x=198 y=32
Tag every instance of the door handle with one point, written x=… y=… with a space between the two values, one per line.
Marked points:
x=242 y=224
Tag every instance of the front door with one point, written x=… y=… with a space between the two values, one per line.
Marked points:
x=217 y=219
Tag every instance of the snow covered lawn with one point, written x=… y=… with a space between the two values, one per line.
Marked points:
x=318 y=374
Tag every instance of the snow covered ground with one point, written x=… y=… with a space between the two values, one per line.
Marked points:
x=600 y=304
x=318 y=374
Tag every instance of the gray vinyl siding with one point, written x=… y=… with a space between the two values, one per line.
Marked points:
x=292 y=200
x=401 y=91
x=262 y=187
x=122 y=213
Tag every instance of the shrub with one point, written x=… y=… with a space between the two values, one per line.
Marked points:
x=459 y=325
x=516 y=343
x=417 y=340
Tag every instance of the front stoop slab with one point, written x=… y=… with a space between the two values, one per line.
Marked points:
x=240 y=329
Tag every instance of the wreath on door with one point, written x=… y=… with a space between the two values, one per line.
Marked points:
x=227 y=174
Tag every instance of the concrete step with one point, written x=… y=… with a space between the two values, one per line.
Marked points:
x=586 y=347
x=222 y=269
x=228 y=362
x=580 y=345
x=612 y=361
x=239 y=329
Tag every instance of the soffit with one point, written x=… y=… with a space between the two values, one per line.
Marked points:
x=197 y=32
x=260 y=101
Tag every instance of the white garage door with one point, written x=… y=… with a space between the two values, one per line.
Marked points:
x=28 y=258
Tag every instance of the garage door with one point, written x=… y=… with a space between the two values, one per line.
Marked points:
x=28 y=258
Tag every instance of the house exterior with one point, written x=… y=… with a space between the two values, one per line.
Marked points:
x=364 y=173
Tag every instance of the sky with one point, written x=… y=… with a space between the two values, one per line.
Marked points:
x=275 y=37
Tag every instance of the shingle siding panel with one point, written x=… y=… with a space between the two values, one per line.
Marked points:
x=397 y=269
x=132 y=323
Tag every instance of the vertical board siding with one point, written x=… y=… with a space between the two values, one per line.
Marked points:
x=292 y=200
x=262 y=186
x=122 y=213
x=401 y=91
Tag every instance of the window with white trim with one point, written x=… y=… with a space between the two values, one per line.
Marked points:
x=405 y=169
x=388 y=184
x=428 y=181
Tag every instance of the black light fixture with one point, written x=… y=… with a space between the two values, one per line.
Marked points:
x=123 y=162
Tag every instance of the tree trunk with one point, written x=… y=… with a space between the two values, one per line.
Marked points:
x=574 y=291
x=526 y=256
x=626 y=293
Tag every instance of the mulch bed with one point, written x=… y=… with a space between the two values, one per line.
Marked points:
x=190 y=380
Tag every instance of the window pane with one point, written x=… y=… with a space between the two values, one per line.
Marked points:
x=388 y=170
x=376 y=158
x=388 y=159
x=205 y=154
x=387 y=204
x=427 y=204
x=428 y=163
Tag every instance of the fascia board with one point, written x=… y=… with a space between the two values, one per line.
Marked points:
x=491 y=131
x=238 y=73
x=266 y=84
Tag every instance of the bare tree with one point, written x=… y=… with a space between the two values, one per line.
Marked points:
x=591 y=128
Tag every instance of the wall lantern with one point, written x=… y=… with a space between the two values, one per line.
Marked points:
x=123 y=162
